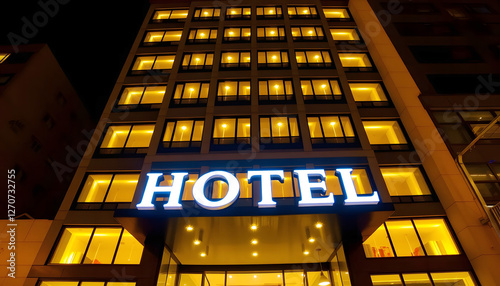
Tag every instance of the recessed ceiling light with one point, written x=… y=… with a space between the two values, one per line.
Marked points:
x=306 y=252
x=255 y=254
x=319 y=225
x=311 y=239
x=197 y=242
x=189 y=228
x=279 y=275
x=254 y=241
x=253 y=227
x=230 y=276
x=203 y=254
x=255 y=276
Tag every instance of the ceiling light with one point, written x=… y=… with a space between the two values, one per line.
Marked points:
x=255 y=276
x=311 y=239
x=319 y=224
x=189 y=228
x=253 y=227
x=197 y=242
x=203 y=254
x=254 y=241
x=279 y=275
x=306 y=252
x=323 y=281
x=230 y=276
x=255 y=254
x=183 y=127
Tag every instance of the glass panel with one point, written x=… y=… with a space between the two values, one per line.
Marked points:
x=187 y=194
x=172 y=36
x=103 y=246
x=168 y=131
x=232 y=32
x=263 y=88
x=404 y=238
x=452 y=278
x=384 y=132
x=153 y=94
x=285 y=189
x=243 y=128
x=3 y=57
x=254 y=279
x=198 y=131
x=308 y=31
x=354 y=60
x=476 y=115
x=367 y=92
x=162 y=14
x=163 y=272
x=279 y=127
x=204 y=90
x=265 y=127
x=314 y=57
x=224 y=128
x=294 y=127
x=190 y=279
x=344 y=34
x=120 y=284
x=129 y=250
x=344 y=271
x=172 y=272
x=417 y=279
x=244 y=88
x=378 y=245
x=273 y=57
x=313 y=277
x=59 y=283
x=436 y=236
x=154 y=36
x=314 y=127
x=140 y=136
x=123 y=188
x=332 y=13
x=72 y=245
x=361 y=182
x=331 y=126
x=197 y=59
x=322 y=87
x=219 y=189
x=95 y=188
x=386 y=280
x=131 y=95
x=276 y=87
x=143 y=63
x=306 y=87
x=228 y=88
x=215 y=279
x=332 y=184
x=447 y=117
x=115 y=136
x=179 y=14
x=346 y=124
x=245 y=187
x=405 y=181
x=294 y=278
x=89 y=283
x=183 y=131
x=492 y=133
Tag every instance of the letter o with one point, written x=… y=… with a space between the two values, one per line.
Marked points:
x=233 y=190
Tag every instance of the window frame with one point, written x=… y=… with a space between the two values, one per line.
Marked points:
x=329 y=142
x=280 y=65
x=348 y=42
x=277 y=15
x=279 y=38
x=152 y=70
x=241 y=16
x=194 y=68
x=358 y=69
x=306 y=38
x=391 y=147
x=332 y=98
x=361 y=104
x=169 y=20
x=238 y=99
x=190 y=145
x=209 y=40
x=318 y=64
x=281 y=98
x=349 y=19
x=235 y=66
x=214 y=17
x=178 y=102
x=160 y=43
x=239 y=143
x=311 y=15
x=131 y=151
x=283 y=142
x=432 y=197
x=139 y=106
x=240 y=38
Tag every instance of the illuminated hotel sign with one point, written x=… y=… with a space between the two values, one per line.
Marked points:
x=306 y=187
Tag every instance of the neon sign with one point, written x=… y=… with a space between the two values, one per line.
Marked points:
x=306 y=187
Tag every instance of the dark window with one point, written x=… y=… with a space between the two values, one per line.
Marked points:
x=49 y=121
x=445 y=54
x=415 y=8
x=478 y=8
x=277 y=131
x=4 y=79
x=460 y=127
x=206 y=14
x=16 y=125
x=465 y=83
x=15 y=58
x=426 y=29
x=35 y=144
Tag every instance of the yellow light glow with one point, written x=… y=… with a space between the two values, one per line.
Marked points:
x=316 y=56
x=253 y=227
x=274 y=57
x=319 y=225
x=310 y=32
x=230 y=276
x=276 y=86
x=279 y=275
x=226 y=87
x=197 y=242
x=306 y=252
x=206 y=13
x=230 y=33
x=202 y=34
x=233 y=12
x=332 y=123
x=272 y=32
x=254 y=241
x=203 y=254
x=255 y=276
x=323 y=85
x=189 y=228
x=255 y=254
x=279 y=124
x=224 y=125
x=183 y=127
x=311 y=239
x=305 y=11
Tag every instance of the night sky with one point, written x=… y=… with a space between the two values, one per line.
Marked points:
x=90 y=39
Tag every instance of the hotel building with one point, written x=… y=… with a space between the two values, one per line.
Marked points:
x=360 y=187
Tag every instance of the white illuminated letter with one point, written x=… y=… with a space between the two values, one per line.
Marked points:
x=233 y=190
x=352 y=197
x=266 y=186
x=305 y=186
x=152 y=188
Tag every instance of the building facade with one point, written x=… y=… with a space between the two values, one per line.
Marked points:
x=282 y=143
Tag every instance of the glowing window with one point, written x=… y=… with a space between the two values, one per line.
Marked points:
x=404 y=238
x=164 y=15
x=424 y=279
x=273 y=59
x=108 y=188
x=3 y=57
x=336 y=13
x=187 y=193
x=436 y=236
x=183 y=134
x=235 y=60
x=237 y=34
x=307 y=33
x=384 y=132
x=191 y=93
x=378 y=244
x=269 y=12
x=85 y=283
x=202 y=36
x=206 y=14
x=386 y=280
x=233 y=91
x=453 y=278
x=154 y=37
x=275 y=90
x=279 y=130
x=128 y=136
x=365 y=92
x=355 y=60
x=238 y=13
x=157 y=63
x=313 y=59
x=420 y=279
x=98 y=245
x=271 y=34
x=142 y=95
x=320 y=89
x=198 y=61
x=345 y=35
x=302 y=12
x=330 y=129
x=231 y=131
x=405 y=181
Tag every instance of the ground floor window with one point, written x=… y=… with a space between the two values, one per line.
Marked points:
x=437 y=278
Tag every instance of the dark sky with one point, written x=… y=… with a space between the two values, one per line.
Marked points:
x=90 y=39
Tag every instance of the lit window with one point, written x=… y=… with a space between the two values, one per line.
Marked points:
x=202 y=36
x=191 y=93
x=237 y=34
x=420 y=279
x=320 y=89
x=233 y=91
x=187 y=193
x=206 y=14
x=404 y=238
x=345 y=35
x=386 y=280
x=273 y=59
x=453 y=278
x=424 y=279
x=108 y=188
x=275 y=90
x=120 y=138
x=313 y=59
x=336 y=13
x=85 y=283
x=239 y=60
x=198 y=61
x=435 y=236
x=165 y=37
x=330 y=130
x=355 y=61
x=271 y=34
x=3 y=57
x=405 y=181
x=385 y=133
x=238 y=13
x=279 y=130
x=165 y=15
x=368 y=94
x=269 y=12
x=142 y=95
x=231 y=131
x=156 y=63
x=378 y=244
x=302 y=12
x=100 y=245
x=183 y=134
x=307 y=34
